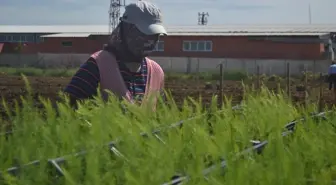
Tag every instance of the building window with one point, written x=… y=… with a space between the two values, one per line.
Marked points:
x=2 y=38
x=16 y=38
x=204 y=46
x=30 y=38
x=8 y=38
x=66 y=43
x=208 y=46
x=38 y=38
x=201 y=46
x=159 y=46
x=186 y=46
x=193 y=46
x=23 y=38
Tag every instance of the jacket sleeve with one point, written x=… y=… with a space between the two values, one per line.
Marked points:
x=84 y=83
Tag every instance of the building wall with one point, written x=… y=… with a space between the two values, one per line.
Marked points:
x=243 y=47
x=21 y=37
x=173 y=64
x=54 y=45
x=222 y=47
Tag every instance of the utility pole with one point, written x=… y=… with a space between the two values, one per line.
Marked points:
x=331 y=47
x=203 y=18
x=114 y=13
x=309 y=14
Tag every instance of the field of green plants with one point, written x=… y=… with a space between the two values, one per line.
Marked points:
x=221 y=145
x=64 y=72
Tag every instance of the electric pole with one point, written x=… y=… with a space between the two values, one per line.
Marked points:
x=203 y=18
x=309 y=14
x=114 y=13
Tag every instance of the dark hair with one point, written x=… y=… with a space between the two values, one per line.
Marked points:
x=333 y=62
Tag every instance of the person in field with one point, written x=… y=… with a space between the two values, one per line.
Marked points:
x=122 y=67
x=332 y=76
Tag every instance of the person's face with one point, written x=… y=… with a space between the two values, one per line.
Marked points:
x=140 y=44
x=150 y=43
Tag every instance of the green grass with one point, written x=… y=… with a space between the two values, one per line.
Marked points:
x=30 y=71
x=204 y=76
x=37 y=72
x=209 y=76
x=308 y=154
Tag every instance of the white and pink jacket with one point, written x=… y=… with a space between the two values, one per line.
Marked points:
x=111 y=79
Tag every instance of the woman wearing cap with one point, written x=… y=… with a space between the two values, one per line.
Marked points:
x=122 y=67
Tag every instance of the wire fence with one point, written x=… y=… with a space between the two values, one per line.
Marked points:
x=306 y=88
x=170 y=64
x=258 y=147
x=111 y=145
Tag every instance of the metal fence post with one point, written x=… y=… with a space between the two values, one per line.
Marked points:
x=221 y=94
x=320 y=102
x=288 y=81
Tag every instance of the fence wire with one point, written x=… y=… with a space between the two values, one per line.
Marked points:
x=258 y=147
x=56 y=162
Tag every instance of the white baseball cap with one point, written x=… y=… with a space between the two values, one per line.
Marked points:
x=145 y=16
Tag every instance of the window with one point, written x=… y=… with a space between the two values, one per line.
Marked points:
x=23 y=38
x=2 y=38
x=8 y=38
x=38 y=38
x=30 y=38
x=66 y=43
x=205 y=46
x=186 y=46
x=16 y=38
x=193 y=46
x=201 y=46
x=159 y=46
x=208 y=46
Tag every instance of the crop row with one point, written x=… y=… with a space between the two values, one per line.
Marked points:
x=258 y=146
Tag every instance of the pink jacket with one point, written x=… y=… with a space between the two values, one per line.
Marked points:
x=111 y=79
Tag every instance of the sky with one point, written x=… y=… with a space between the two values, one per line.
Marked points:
x=175 y=12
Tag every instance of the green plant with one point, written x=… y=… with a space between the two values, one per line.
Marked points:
x=308 y=154
x=275 y=78
x=30 y=71
x=209 y=76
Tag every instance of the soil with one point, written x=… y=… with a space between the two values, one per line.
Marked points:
x=12 y=87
